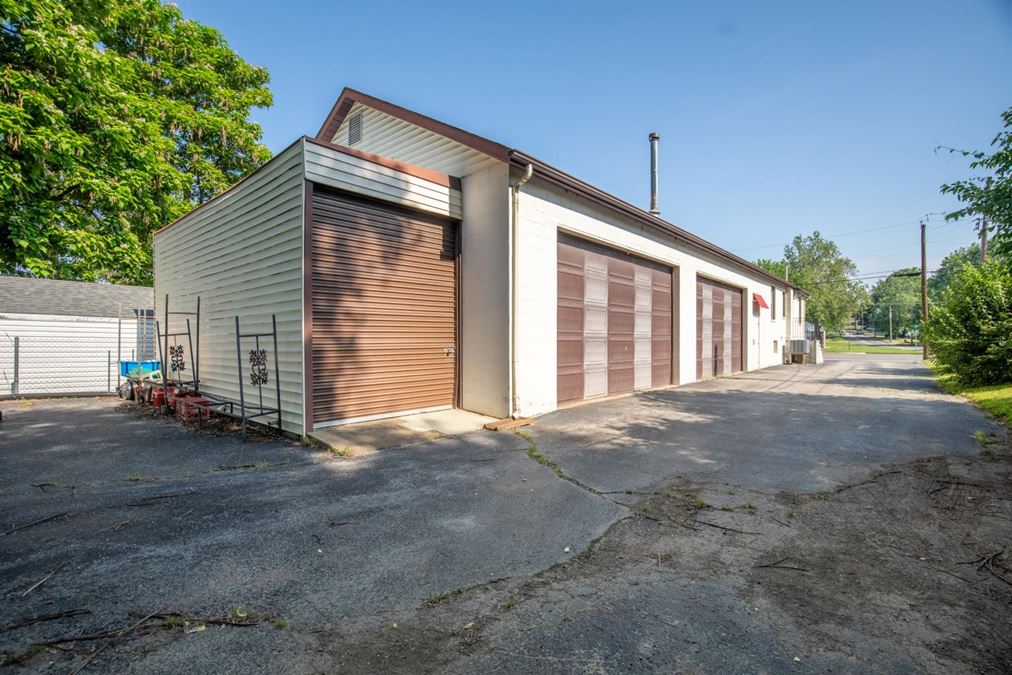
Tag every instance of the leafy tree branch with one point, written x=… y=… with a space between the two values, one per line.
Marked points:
x=116 y=116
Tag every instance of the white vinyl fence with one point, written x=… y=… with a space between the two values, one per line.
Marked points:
x=60 y=355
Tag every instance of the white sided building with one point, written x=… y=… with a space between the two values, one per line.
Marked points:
x=413 y=266
x=62 y=338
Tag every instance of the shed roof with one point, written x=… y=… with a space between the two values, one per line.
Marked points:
x=26 y=295
x=543 y=170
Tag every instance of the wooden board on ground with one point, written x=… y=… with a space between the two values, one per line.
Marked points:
x=508 y=424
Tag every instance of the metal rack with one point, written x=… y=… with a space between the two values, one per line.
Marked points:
x=177 y=363
x=259 y=374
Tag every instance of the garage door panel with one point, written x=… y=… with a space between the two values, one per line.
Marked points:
x=627 y=321
x=596 y=287
x=621 y=293
x=621 y=321
x=595 y=321
x=660 y=323
x=718 y=329
x=384 y=308
x=571 y=285
x=660 y=364
x=570 y=320
x=595 y=381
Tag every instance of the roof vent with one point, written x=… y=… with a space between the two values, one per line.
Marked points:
x=355 y=128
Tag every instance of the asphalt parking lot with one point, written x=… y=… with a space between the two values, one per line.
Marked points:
x=148 y=517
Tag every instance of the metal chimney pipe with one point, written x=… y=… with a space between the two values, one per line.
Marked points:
x=654 y=143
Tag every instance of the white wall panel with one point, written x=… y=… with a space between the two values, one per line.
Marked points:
x=354 y=174
x=61 y=355
x=242 y=254
x=390 y=136
x=484 y=292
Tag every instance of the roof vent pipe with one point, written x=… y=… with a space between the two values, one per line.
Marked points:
x=655 y=139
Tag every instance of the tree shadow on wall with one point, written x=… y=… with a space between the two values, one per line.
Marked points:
x=384 y=308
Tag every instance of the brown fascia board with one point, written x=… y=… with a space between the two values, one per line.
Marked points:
x=349 y=97
x=572 y=184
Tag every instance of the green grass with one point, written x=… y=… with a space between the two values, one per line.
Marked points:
x=540 y=458
x=847 y=346
x=995 y=398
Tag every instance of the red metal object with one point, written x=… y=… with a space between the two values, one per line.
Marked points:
x=187 y=410
x=759 y=300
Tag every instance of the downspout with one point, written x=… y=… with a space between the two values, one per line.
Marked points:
x=514 y=230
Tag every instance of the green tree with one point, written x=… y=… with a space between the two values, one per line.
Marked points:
x=951 y=265
x=816 y=265
x=970 y=330
x=116 y=116
x=777 y=267
x=989 y=194
x=901 y=290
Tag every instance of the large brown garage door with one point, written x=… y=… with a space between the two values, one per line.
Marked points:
x=718 y=329
x=384 y=308
x=614 y=322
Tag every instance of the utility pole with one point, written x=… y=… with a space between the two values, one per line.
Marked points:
x=890 y=323
x=924 y=288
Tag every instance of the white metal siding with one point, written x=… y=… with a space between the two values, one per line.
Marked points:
x=242 y=254
x=347 y=172
x=386 y=135
x=61 y=355
x=544 y=211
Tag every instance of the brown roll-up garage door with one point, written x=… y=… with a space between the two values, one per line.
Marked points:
x=615 y=314
x=718 y=329
x=384 y=308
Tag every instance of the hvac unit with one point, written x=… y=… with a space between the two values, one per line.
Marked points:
x=800 y=346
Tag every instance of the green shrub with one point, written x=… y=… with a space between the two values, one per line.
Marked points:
x=970 y=330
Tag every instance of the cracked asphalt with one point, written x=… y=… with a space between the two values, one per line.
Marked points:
x=357 y=565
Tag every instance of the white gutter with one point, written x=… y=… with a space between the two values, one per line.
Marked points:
x=514 y=229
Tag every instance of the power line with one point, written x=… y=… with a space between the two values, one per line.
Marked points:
x=881 y=275
x=842 y=234
x=864 y=231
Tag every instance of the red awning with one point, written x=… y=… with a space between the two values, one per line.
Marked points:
x=758 y=299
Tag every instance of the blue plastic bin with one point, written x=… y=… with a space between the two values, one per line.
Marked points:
x=137 y=368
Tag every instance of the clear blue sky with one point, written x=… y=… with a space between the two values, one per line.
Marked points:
x=776 y=118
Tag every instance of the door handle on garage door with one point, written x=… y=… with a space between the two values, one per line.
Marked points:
x=449 y=350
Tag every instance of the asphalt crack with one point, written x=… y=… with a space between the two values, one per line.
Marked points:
x=542 y=459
